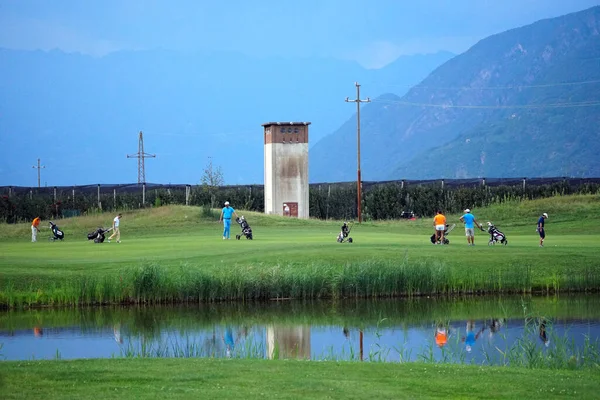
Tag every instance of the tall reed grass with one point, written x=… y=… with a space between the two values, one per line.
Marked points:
x=153 y=284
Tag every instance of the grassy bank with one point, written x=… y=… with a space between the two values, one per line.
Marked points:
x=175 y=254
x=210 y=378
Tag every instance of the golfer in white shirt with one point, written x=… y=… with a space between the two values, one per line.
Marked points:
x=116 y=231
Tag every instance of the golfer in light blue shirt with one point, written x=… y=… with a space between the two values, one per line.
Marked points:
x=470 y=224
x=226 y=214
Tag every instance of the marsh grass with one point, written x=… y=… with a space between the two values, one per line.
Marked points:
x=152 y=284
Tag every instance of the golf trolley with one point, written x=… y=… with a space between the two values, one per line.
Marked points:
x=449 y=228
x=496 y=236
x=57 y=234
x=246 y=230
x=98 y=235
x=344 y=235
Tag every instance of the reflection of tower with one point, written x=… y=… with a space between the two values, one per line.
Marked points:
x=286 y=168
x=290 y=341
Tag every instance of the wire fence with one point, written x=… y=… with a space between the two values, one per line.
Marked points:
x=380 y=199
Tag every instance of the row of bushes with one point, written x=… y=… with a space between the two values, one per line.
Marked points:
x=327 y=201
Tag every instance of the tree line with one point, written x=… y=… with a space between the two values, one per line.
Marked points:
x=380 y=201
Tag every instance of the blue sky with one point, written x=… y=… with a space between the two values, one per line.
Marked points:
x=372 y=33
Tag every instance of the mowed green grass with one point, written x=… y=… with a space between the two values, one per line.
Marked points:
x=177 y=235
x=253 y=379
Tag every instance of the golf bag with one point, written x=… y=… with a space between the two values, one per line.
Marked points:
x=495 y=235
x=344 y=233
x=449 y=228
x=98 y=235
x=57 y=234
x=246 y=230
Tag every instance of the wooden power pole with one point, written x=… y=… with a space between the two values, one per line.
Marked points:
x=358 y=181
x=39 y=169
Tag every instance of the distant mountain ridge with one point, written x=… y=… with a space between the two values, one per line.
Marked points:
x=81 y=115
x=486 y=112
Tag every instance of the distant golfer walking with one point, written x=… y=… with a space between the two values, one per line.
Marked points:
x=116 y=230
x=226 y=214
x=35 y=229
x=470 y=223
x=540 y=228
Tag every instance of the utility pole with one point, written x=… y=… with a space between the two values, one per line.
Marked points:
x=358 y=181
x=141 y=155
x=39 y=168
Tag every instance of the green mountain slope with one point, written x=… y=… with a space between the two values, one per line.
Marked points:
x=485 y=112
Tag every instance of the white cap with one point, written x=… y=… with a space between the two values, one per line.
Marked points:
x=489 y=223
x=226 y=203
x=467 y=210
x=545 y=215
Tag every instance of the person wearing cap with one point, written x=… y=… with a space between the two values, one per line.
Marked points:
x=540 y=228
x=226 y=214
x=470 y=223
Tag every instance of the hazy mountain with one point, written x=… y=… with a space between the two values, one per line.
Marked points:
x=506 y=107
x=81 y=115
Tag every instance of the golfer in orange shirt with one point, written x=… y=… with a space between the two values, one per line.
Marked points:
x=439 y=222
x=35 y=229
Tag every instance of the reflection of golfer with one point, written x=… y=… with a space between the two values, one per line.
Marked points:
x=35 y=228
x=226 y=218
x=471 y=337
x=229 y=341
x=286 y=210
x=543 y=333
x=116 y=231
x=441 y=336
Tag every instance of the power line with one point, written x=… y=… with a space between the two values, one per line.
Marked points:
x=589 y=103
x=141 y=155
x=508 y=87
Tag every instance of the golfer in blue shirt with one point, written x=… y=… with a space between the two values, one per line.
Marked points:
x=470 y=223
x=226 y=218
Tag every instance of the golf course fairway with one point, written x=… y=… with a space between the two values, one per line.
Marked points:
x=176 y=254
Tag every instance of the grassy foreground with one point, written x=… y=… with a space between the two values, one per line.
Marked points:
x=176 y=254
x=250 y=379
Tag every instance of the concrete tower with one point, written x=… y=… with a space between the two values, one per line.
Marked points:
x=286 y=168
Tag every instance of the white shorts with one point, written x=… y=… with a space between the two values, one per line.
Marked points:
x=470 y=231
x=440 y=227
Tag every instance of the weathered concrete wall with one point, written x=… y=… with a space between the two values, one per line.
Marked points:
x=286 y=167
x=286 y=177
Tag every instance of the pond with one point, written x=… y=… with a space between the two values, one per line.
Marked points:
x=482 y=330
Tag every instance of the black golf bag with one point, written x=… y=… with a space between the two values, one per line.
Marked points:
x=344 y=235
x=496 y=236
x=246 y=230
x=57 y=234
x=98 y=235
x=448 y=229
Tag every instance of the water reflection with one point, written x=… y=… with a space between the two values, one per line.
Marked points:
x=288 y=342
x=481 y=330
